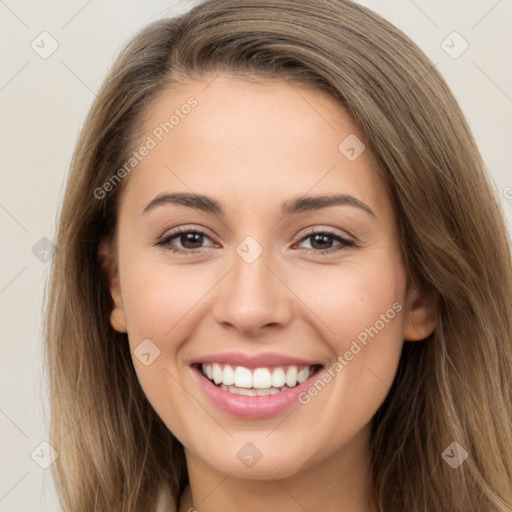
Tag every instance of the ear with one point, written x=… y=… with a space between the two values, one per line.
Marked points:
x=421 y=313
x=109 y=267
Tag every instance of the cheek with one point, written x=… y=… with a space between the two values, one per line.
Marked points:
x=347 y=301
x=158 y=298
x=359 y=312
x=159 y=303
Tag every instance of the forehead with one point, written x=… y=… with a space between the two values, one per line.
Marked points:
x=253 y=145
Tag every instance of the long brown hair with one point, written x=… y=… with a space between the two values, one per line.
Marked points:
x=115 y=453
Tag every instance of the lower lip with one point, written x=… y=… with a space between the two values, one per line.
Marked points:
x=251 y=407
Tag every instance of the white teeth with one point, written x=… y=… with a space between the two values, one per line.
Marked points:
x=291 y=376
x=278 y=378
x=247 y=392
x=217 y=373
x=303 y=375
x=256 y=381
x=252 y=392
x=228 y=377
x=243 y=377
x=261 y=378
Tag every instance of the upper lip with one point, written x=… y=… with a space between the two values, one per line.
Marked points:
x=265 y=359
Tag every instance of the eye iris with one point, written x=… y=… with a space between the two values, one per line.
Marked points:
x=192 y=238
x=324 y=239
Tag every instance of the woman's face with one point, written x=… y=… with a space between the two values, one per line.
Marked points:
x=271 y=282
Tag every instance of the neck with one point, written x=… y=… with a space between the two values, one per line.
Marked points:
x=340 y=483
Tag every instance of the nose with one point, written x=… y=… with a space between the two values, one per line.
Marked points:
x=253 y=297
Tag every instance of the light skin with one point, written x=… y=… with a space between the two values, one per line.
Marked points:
x=251 y=147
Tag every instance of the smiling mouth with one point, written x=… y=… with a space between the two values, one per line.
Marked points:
x=263 y=381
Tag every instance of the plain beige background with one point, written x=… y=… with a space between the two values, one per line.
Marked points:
x=43 y=102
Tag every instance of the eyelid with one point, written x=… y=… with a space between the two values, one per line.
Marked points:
x=345 y=242
x=317 y=229
x=173 y=233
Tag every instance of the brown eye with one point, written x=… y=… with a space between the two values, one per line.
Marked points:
x=191 y=240
x=322 y=241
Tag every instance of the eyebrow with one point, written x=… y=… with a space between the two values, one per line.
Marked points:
x=294 y=206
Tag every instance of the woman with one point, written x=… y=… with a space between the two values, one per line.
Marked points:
x=247 y=370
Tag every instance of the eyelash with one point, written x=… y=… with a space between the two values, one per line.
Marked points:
x=165 y=241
